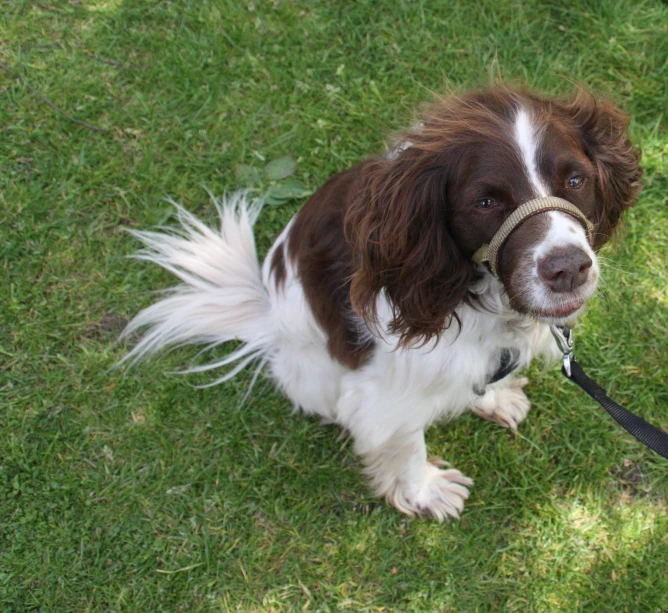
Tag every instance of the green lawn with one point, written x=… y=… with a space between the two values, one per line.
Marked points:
x=136 y=492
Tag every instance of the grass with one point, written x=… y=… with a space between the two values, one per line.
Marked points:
x=137 y=492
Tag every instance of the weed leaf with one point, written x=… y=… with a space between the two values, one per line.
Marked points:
x=280 y=168
x=290 y=190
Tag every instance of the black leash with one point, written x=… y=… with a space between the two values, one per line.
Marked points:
x=653 y=437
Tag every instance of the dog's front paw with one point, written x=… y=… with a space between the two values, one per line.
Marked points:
x=441 y=494
x=506 y=406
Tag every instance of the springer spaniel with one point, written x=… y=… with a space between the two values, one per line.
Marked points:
x=370 y=310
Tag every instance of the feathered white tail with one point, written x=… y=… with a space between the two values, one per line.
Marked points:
x=222 y=297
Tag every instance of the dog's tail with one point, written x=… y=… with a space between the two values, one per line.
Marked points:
x=221 y=297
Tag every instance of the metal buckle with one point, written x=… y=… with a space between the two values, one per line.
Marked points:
x=564 y=337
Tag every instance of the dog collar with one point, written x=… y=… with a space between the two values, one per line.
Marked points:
x=490 y=252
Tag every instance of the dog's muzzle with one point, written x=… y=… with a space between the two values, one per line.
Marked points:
x=490 y=252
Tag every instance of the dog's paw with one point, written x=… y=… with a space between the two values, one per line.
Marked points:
x=441 y=494
x=506 y=406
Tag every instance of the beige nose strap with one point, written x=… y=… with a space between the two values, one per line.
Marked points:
x=490 y=253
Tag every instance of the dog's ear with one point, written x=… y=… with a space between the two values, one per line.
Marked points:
x=603 y=129
x=398 y=228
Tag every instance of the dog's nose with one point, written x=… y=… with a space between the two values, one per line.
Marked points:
x=563 y=270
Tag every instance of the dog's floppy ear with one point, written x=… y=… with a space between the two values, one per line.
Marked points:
x=397 y=226
x=604 y=132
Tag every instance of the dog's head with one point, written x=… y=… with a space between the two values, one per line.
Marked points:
x=427 y=206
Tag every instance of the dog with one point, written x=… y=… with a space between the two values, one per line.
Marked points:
x=380 y=306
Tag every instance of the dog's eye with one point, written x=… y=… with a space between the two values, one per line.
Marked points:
x=485 y=203
x=576 y=182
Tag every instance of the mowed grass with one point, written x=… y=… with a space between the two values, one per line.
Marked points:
x=136 y=492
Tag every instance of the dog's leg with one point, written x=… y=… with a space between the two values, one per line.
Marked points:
x=410 y=481
x=386 y=414
x=504 y=402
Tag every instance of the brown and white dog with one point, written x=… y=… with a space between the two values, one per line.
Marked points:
x=369 y=309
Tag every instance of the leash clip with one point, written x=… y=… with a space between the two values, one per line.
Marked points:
x=564 y=337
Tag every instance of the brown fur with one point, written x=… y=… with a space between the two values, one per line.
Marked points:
x=603 y=129
x=278 y=269
x=322 y=256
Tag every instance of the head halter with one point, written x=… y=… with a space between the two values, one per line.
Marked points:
x=490 y=252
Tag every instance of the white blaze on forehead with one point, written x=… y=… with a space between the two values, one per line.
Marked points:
x=528 y=139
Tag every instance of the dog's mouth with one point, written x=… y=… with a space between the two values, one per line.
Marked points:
x=550 y=309
x=562 y=312
x=546 y=306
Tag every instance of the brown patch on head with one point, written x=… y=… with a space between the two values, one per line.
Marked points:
x=604 y=132
x=590 y=137
x=323 y=260
x=561 y=157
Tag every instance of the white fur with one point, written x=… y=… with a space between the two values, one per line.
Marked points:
x=300 y=362
x=564 y=231
x=221 y=298
x=528 y=139
x=387 y=403
x=505 y=404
